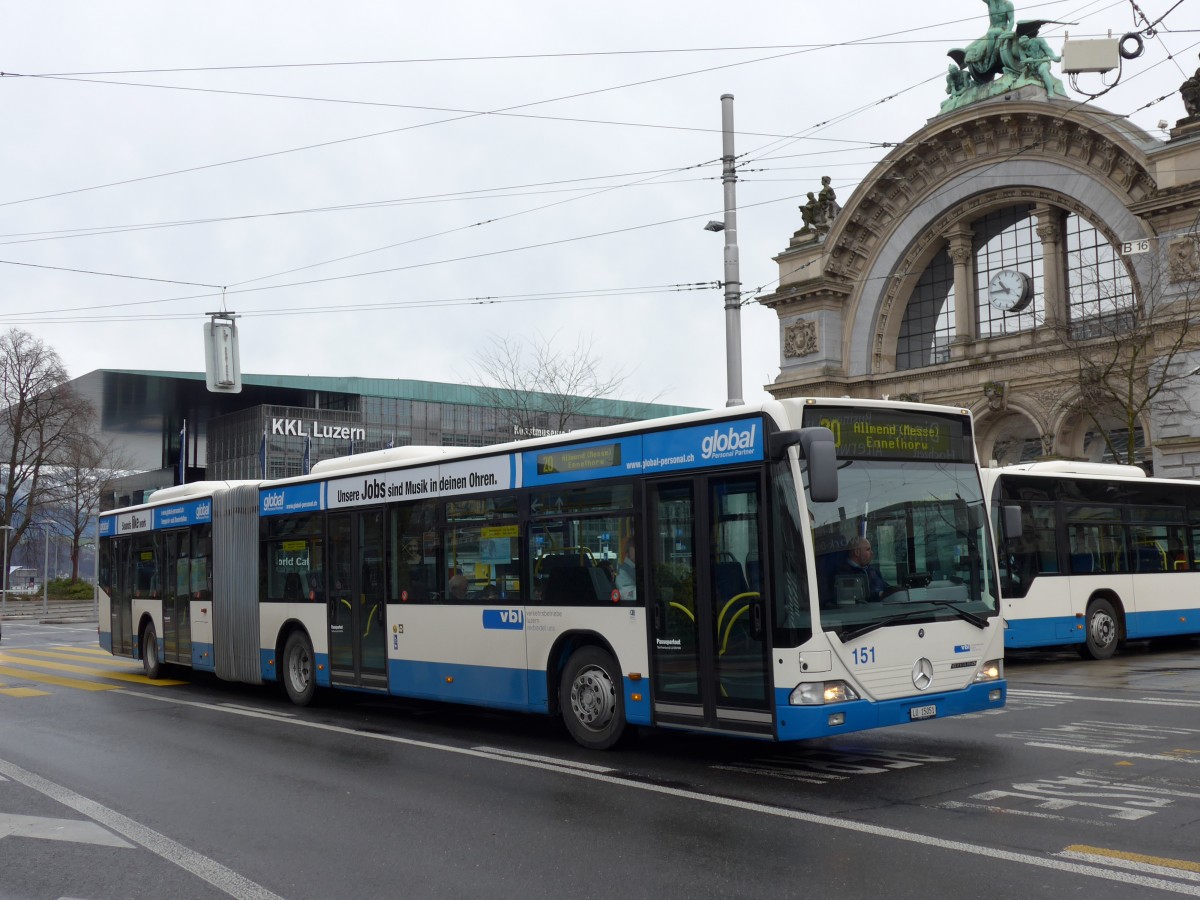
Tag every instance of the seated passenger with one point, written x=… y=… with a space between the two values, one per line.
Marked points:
x=458 y=587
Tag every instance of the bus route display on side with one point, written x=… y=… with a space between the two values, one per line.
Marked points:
x=862 y=433
x=601 y=456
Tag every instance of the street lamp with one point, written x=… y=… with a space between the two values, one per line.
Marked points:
x=4 y=603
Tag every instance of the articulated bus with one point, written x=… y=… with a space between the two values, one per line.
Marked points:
x=1102 y=554
x=686 y=573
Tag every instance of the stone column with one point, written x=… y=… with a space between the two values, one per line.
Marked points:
x=961 y=247
x=1054 y=284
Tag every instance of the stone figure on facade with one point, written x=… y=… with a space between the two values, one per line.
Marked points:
x=828 y=200
x=1009 y=56
x=1190 y=91
x=820 y=210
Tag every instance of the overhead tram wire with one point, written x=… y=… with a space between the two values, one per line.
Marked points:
x=383 y=306
x=409 y=267
x=490 y=221
x=437 y=262
x=445 y=197
x=501 y=111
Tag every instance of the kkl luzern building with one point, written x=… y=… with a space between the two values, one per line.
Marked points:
x=1024 y=255
x=280 y=425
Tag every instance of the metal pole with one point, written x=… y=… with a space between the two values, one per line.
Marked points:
x=733 y=284
x=46 y=577
x=4 y=603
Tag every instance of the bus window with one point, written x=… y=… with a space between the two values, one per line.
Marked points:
x=481 y=547
x=578 y=538
x=145 y=566
x=415 y=551
x=291 y=560
x=792 y=615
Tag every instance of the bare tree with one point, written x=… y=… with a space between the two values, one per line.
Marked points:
x=39 y=414
x=76 y=482
x=537 y=389
x=1127 y=355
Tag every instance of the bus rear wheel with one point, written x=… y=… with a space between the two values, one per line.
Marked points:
x=1102 y=629
x=592 y=699
x=299 y=679
x=150 y=664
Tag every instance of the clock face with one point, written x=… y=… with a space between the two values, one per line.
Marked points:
x=1009 y=290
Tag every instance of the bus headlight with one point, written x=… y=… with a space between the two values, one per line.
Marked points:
x=817 y=693
x=992 y=670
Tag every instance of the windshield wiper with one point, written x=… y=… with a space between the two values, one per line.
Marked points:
x=975 y=620
x=844 y=636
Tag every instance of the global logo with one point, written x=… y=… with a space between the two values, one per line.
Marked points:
x=204 y=510
x=272 y=500
x=720 y=442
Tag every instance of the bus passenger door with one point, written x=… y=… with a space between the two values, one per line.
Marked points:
x=357 y=635
x=709 y=625
x=121 y=598
x=177 y=626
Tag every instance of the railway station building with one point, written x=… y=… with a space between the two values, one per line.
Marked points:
x=1024 y=254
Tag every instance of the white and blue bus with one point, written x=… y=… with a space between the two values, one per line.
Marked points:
x=687 y=573
x=1102 y=554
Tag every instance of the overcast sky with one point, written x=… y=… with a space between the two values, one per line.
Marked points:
x=383 y=188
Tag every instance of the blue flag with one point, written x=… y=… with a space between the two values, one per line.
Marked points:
x=307 y=452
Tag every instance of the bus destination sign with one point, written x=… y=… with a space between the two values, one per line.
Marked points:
x=601 y=456
x=861 y=433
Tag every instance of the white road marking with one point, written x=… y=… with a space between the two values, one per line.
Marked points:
x=1018 y=693
x=199 y=865
x=1136 y=866
x=77 y=830
x=895 y=834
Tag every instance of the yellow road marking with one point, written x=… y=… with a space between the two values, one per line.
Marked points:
x=23 y=692
x=16 y=660
x=61 y=682
x=1181 y=864
x=91 y=651
x=105 y=660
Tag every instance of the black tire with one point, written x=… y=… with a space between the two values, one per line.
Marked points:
x=298 y=671
x=150 y=664
x=1103 y=630
x=592 y=699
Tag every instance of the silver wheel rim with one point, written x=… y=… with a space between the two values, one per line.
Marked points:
x=1104 y=629
x=299 y=670
x=149 y=650
x=593 y=698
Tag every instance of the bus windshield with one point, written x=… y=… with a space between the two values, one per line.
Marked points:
x=905 y=542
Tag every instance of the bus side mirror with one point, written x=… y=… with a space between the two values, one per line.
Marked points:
x=1012 y=521
x=819 y=449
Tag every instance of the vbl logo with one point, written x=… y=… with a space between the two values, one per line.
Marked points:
x=504 y=619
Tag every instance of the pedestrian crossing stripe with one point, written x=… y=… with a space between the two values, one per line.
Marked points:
x=54 y=679
x=23 y=661
x=23 y=692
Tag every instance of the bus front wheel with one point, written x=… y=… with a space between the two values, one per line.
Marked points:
x=150 y=664
x=1103 y=630
x=592 y=699
x=299 y=679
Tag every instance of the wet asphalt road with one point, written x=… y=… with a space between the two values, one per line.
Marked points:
x=1087 y=783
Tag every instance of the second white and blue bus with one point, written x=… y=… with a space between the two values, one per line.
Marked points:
x=1102 y=554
